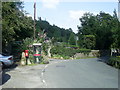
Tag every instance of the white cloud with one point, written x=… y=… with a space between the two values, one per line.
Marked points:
x=28 y=15
x=74 y=18
x=68 y=0
x=50 y=3
x=45 y=3
x=78 y=14
x=89 y=0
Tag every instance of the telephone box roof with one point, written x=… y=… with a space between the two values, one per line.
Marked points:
x=37 y=44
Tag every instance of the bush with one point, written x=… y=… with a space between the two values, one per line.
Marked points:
x=73 y=46
x=16 y=50
x=114 y=61
x=26 y=43
x=62 y=51
x=83 y=51
x=45 y=48
x=66 y=53
x=86 y=41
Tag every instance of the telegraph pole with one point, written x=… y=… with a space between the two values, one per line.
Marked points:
x=119 y=10
x=34 y=18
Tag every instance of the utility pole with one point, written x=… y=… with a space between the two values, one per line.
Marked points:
x=34 y=19
x=119 y=10
x=76 y=39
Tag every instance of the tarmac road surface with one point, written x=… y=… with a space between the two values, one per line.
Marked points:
x=83 y=73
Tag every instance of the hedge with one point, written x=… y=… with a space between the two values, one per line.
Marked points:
x=69 y=52
x=114 y=61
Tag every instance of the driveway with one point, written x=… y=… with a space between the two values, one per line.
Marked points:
x=23 y=77
x=83 y=73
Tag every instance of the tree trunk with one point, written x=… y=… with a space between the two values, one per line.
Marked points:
x=49 y=54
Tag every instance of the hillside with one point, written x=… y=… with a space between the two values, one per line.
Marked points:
x=53 y=31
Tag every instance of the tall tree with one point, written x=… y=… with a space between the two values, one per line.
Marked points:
x=104 y=34
x=72 y=39
x=15 y=25
x=101 y=26
x=115 y=30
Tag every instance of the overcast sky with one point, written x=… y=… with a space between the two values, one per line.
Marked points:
x=66 y=13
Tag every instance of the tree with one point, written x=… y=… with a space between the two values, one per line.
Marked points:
x=88 y=24
x=53 y=31
x=101 y=26
x=72 y=39
x=115 y=31
x=104 y=33
x=15 y=25
x=89 y=41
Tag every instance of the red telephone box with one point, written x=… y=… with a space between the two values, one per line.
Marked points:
x=37 y=52
x=26 y=53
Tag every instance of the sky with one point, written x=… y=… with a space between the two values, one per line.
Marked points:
x=66 y=13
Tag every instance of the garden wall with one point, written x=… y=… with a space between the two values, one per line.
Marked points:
x=93 y=53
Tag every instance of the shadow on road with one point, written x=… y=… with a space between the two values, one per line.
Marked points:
x=7 y=69
x=103 y=59
x=4 y=77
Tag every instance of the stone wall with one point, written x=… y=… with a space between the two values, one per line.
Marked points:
x=93 y=53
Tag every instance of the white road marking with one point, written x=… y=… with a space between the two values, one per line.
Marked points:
x=42 y=73
x=43 y=70
x=46 y=66
x=44 y=83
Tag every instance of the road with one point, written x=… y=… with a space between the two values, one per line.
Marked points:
x=83 y=73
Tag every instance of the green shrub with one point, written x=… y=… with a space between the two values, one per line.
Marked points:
x=45 y=48
x=62 y=51
x=16 y=49
x=85 y=51
x=66 y=53
x=57 y=56
x=73 y=46
x=26 y=43
x=86 y=41
x=115 y=61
